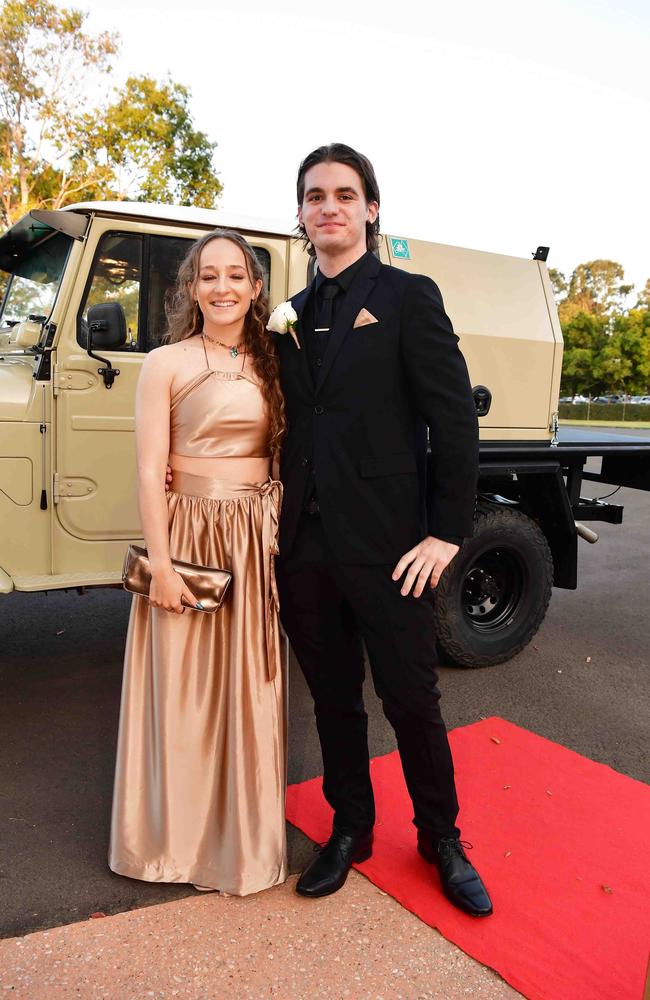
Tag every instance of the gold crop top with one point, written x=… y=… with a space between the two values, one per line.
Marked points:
x=220 y=414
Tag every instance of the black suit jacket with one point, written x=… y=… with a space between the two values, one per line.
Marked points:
x=363 y=423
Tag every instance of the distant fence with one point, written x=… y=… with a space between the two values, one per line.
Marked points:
x=605 y=411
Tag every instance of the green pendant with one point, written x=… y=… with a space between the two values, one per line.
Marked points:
x=234 y=353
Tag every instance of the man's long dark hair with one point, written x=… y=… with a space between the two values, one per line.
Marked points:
x=338 y=152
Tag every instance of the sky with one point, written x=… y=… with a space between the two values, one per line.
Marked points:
x=498 y=126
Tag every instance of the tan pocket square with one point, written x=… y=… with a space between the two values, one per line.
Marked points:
x=364 y=318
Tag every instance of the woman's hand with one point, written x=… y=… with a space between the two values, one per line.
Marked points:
x=168 y=589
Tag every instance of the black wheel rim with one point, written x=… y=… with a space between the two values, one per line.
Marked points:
x=493 y=590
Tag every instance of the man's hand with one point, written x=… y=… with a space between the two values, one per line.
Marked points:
x=425 y=562
x=168 y=479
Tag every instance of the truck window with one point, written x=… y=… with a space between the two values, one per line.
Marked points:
x=165 y=256
x=116 y=277
x=139 y=272
x=4 y=281
x=36 y=275
x=264 y=258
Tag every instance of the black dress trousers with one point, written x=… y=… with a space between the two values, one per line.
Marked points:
x=329 y=609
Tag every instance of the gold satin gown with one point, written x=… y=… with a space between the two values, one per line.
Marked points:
x=201 y=759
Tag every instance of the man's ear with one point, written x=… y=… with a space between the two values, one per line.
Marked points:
x=300 y=214
x=373 y=211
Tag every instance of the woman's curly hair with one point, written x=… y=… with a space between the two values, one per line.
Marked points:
x=185 y=319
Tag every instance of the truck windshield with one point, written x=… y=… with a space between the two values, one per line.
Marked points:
x=30 y=289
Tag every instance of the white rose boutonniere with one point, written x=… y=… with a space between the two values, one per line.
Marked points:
x=283 y=319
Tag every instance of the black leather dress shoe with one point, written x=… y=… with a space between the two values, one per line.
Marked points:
x=329 y=869
x=460 y=881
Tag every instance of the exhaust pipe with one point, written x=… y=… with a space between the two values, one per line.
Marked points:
x=586 y=533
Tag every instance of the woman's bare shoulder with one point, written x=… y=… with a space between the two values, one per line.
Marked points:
x=171 y=357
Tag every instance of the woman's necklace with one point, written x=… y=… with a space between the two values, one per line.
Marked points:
x=233 y=348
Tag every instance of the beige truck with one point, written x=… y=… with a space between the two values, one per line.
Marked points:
x=84 y=293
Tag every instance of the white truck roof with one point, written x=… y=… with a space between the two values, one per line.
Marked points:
x=212 y=217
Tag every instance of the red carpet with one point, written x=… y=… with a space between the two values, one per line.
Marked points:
x=562 y=843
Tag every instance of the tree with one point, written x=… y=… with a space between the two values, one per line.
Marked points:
x=46 y=59
x=596 y=288
x=632 y=338
x=612 y=367
x=55 y=147
x=643 y=301
x=584 y=339
x=147 y=138
x=606 y=345
x=559 y=283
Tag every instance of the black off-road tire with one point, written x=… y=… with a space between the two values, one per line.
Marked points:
x=493 y=597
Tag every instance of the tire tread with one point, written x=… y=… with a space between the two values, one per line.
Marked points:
x=489 y=518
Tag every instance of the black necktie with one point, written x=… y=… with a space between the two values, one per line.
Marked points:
x=328 y=292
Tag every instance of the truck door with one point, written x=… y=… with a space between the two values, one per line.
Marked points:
x=95 y=482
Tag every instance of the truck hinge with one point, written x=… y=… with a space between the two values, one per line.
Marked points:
x=71 y=486
x=63 y=379
x=555 y=426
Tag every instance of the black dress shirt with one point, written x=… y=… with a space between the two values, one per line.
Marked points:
x=316 y=343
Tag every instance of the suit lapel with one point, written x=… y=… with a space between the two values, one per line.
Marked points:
x=355 y=299
x=299 y=303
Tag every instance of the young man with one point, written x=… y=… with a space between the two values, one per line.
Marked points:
x=378 y=363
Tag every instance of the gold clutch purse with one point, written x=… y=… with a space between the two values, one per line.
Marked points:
x=208 y=584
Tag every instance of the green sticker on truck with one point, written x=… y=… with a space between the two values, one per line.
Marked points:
x=400 y=248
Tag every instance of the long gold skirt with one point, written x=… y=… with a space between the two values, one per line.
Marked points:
x=201 y=760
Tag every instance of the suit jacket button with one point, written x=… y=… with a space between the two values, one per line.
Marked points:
x=305 y=461
x=319 y=409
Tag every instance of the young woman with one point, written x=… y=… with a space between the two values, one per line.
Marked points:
x=201 y=758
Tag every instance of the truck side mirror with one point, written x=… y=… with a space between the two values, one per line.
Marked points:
x=107 y=330
x=106 y=326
